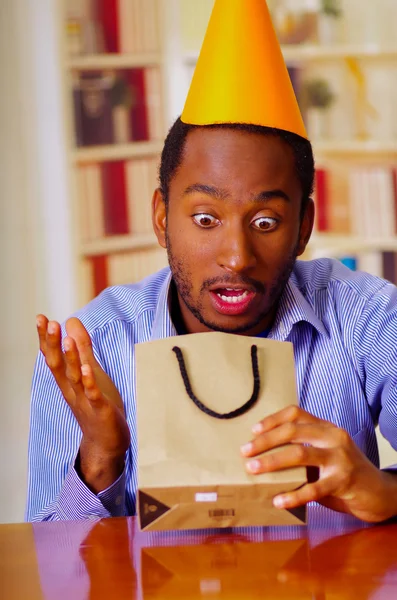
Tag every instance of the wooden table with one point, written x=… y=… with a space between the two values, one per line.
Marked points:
x=334 y=557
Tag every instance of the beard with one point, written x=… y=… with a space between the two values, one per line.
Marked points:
x=182 y=278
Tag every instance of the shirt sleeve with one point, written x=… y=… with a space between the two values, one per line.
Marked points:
x=376 y=347
x=55 y=491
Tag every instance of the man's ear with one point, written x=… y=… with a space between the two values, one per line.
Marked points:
x=306 y=227
x=159 y=217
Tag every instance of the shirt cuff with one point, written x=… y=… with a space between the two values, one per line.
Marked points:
x=76 y=501
x=113 y=498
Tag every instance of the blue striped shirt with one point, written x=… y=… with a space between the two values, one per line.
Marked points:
x=343 y=327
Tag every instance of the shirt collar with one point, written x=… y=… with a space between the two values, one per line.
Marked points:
x=293 y=309
x=163 y=327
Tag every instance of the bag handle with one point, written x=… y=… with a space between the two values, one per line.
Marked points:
x=234 y=413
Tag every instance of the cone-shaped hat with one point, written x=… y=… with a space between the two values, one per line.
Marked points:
x=241 y=76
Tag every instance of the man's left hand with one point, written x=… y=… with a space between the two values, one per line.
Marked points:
x=348 y=482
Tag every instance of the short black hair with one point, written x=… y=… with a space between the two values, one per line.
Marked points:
x=171 y=156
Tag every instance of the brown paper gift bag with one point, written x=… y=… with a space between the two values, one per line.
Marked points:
x=190 y=471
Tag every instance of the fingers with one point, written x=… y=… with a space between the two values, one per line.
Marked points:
x=76 y=381
x=73 y=366
x=76 y=330
x=49 y=333
x=81 y=377
x=294 y=455
x=291 y=414
x=41 y=325
x=318 y=433
x=310 y=492
x=50 y=345
x=91 y=389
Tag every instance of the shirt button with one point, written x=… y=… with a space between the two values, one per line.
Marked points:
x=119 y=500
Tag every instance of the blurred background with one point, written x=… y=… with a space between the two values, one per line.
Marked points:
x=89 y=89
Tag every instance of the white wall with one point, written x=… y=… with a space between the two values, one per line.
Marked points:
x=35 y=237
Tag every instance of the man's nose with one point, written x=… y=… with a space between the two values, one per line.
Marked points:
x=236 y=253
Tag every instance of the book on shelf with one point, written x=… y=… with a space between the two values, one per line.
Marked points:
x=128 y=29
x=107 y=21
x=118 y=106
x=139 y=113
x=92 y=100
x=373 y=202
x=380 y=264
x=138 y=30
x=84 y=33
x=115 y=197
x=98 y=274
x=131 y=267
x=141 y=176
x=360 y=201
x=155 y=111
x=122 y=268
x=321 y=200
x=91 y=203
x=112 y=26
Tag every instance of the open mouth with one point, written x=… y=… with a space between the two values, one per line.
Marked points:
x=232 y=296
x=232 y=301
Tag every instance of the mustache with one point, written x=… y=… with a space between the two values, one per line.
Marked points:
x=224 y=281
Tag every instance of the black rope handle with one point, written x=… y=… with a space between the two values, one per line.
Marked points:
x=234 y=413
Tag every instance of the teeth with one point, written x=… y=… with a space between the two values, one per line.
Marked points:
x=233 y=299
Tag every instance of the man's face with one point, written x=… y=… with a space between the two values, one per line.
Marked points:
x=232 y=229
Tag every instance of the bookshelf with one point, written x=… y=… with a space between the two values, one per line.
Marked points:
x=352 y=139
x=342 y=244
x=115 y=152
x=118 y=243
x=113 y=61
x=363 y=148
x=316 y=52
x=115 y=98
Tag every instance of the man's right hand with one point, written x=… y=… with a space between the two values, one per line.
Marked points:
x=93 y=399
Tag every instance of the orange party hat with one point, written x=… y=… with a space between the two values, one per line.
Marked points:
x=241 y=76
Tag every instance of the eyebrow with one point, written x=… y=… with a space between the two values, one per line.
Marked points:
x=220 y=194
x=208 y=190
x=269 y=195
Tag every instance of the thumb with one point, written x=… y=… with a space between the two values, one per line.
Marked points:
x=76 y=330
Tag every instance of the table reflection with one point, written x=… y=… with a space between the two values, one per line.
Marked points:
x=334 y=556
x=232 y=568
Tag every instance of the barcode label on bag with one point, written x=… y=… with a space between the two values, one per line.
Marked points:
x=209 y=497
x=222 y=512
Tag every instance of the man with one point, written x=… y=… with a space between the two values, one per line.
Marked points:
x=234 y=212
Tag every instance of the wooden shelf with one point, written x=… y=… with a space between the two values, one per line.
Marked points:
x=314 y=52
x=136 y=149
x=118 y=243
x=116 y=152
x=317 y=52
x=355 y=147
x=113 y=61
x=340 y=244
